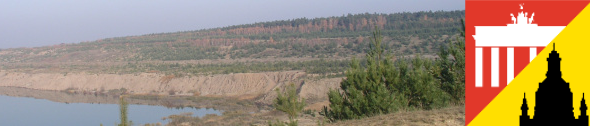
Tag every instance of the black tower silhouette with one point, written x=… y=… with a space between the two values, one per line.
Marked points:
x=554 y=100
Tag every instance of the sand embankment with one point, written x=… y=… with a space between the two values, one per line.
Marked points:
x=258 y=86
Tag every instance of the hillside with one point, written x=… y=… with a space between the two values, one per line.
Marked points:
x=247 y=60
x=231 y=67
x=256 y=46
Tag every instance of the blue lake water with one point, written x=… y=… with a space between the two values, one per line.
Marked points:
x=24 y=111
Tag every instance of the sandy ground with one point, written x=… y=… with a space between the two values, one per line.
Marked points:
x=452 y=116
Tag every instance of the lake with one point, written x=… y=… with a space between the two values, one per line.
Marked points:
x=26 y=111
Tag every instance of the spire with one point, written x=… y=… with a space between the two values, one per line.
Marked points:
x=524 y=103
x=553 y=64
x=583 y=106
x=525 y=107
x=524 y=99
x=583 y=109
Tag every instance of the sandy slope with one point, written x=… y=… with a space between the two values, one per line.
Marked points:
x=258 y=86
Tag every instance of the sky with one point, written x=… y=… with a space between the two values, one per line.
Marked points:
x=33 y=23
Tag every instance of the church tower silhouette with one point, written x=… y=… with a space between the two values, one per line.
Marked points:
x=554 y=100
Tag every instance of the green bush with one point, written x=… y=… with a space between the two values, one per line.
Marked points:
x=289 y=102
x=384 y=86
x=451 y=70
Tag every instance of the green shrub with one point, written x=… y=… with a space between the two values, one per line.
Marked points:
x=289 y=102
x=384 y=86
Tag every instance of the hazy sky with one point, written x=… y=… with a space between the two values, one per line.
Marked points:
x=31 y=23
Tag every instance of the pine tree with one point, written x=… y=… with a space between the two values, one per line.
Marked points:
x=365 y=89
x=289 y=102
x=451 y=70
x=384 y=86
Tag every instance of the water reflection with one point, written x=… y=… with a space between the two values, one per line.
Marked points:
x=123 y=112
x=24 y=111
